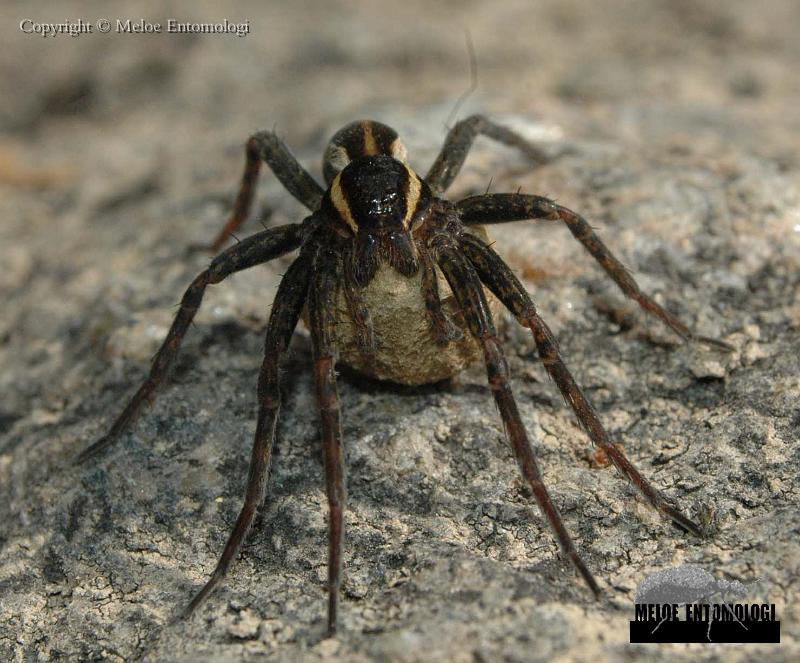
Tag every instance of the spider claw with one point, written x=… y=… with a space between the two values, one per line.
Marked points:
x=200 y=597
x=585 y=573
x=714 y=343
x=682 y=522
x=93 y=449
x=333 y=601
x=188 y=611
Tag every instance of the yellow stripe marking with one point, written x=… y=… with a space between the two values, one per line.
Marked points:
x=340 y=203
x=412 y=197
x=370 y=144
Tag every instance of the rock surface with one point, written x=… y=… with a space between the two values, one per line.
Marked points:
x=678 y=136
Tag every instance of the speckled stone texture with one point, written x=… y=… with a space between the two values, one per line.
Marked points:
x=675 y=130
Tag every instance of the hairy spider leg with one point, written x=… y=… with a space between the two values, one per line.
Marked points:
x=358 y=310
x=503 y=207
x=466 y=286
x=266 y=146
x=322 y=323
x=443 y=328
x=457 y=145
x=286 y=310
x=258 y=248
x=499 y=278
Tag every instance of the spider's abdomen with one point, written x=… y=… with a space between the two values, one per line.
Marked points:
x=360 y=139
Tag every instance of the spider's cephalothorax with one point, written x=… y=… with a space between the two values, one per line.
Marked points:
x=375 y=194
x=378 y=200
x=379 y=215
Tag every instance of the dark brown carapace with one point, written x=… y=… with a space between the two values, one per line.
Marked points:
x=376 y=215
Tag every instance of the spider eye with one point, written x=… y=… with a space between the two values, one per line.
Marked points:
x=383 y=205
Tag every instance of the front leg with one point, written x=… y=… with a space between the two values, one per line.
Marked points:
x=286 y=309
x=459 y=141
x=254 y=250
x=266 y=146
x=499 y=278
x=503 y=207
x=466 y=286
x=321 y=314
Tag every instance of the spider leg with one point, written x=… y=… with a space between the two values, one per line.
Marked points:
x=266 y=146
x=459 y=141
x=468 y=290
x=498 y=276
x=502 y=207
x=443 y=328
x=254 y=250
x=357 y=308
x=286 y=309
x=322 y=322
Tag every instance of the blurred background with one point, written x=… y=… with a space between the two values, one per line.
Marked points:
x=306 y=66
x=674 y=128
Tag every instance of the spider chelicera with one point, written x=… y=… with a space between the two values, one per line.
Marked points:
x=378 y=217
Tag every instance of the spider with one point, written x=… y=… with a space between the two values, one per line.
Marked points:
x=379 y=219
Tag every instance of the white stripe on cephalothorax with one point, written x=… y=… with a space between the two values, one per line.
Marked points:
x=399 y=150
x=337 y=157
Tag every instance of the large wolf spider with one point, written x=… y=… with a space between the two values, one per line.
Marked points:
x=378 y=215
